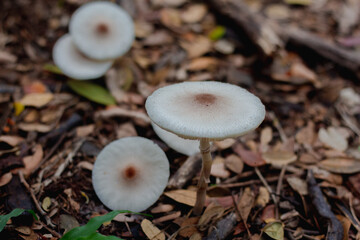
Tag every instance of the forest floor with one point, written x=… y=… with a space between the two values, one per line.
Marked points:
x=297 y=176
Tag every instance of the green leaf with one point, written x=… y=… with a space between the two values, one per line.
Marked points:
x=52 y=68
x=92 y=92
x=217 y=33
x=88 y=231
x=275 y=230
x=5 y=218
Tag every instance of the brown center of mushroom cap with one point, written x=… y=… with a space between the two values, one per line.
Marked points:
x=130 y=172
x=205 y=99
x=102 y=29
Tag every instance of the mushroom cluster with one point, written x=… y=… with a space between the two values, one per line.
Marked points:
x=99 y=33
x=205 y=111
x=130 y=174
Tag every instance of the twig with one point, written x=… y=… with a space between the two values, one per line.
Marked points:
x=271 y=192
x=37 y=205
x=335 y=229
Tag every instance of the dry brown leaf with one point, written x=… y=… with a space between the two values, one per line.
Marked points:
x=218 y=168
x=86 y=165
x=5 y=179
x=224 y=144
x=298 y=185
x=38 y=127
x=115 y=80
x=263 y=197
x=341 y=165
x=151 y=231
x=170 y=17
x=308 y=158
x=188 y=227
x=36 y=99
x=194 y=13
x=266 y=136
x=32 y=162
x=168 y=217
x=246 y=203
x=279 y=158
x=11 y=140
x=346 y=223
x=168 y=3
x=143 y=28
x=197 y=47
x=158 y=38
x=162 y=208
x=202 y=63
x=84 y=131
x=187 y=197
x=211 y=214
x=327 y=176
x=234 y=163
x=306 y=135
x=277 y=11
x=248 y=157
x=333 y=138
x=224 y=46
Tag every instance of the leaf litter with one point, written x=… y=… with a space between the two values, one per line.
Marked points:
x=259 y=183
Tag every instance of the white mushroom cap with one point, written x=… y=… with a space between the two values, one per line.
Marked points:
x=102 y=30
x=211 y=110
x=130 y=174
x=74 y=64
x=185 y=146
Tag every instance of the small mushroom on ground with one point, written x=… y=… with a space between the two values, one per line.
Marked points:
x=185 y=146
x=130 y=174
x=102 y=30
x=206 y=111
x=74 y=64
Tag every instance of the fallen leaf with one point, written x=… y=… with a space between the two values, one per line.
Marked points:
x=332 y=137
x=188 y=227
x=143 y=28
x=168 y=3
x=349 y=97
x=202 y=63
x=341 y=165
x=279 y=158
x=35 y=87
x=298 y=185
x=266 y=136
x=91 y=91
x=11 y=140
x=194 y=13
x=38 y=127
x=306 y=135
x=211 y=214
x=263 y=197
x=217 y=33
x=68 y=222
x=162 y=208
x=84 y=131
x=170 y=17
x=151 y=231
x=299 y=2
x=187 y=197
x=36 y=99
x=246 y=203
x=275 y=230
x=224 y=144
x=224 y=46
x=250 y=158
x=167 y=217
x=32 y=162
x=218 y=168
x=277 y=12
x=46 y=203
x=346 y=223
x=5 y=179
x=158 y=38
x=234 y=163
x=115 y=80
x=197 y=47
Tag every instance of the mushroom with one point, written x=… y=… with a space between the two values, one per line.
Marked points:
x=130 y=174
x=185 y=146
x=74 y=64
x=206 y=111
x=102 y=30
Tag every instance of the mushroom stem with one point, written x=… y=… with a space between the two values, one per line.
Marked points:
x=204 y=175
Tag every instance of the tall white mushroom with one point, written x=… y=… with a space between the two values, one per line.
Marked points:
x=74 y=64
x=102 y=30
x=205 y=111
x=130 y=174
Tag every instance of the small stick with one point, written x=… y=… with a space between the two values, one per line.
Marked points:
x=263 y=180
